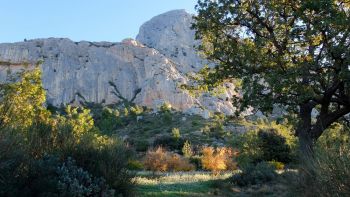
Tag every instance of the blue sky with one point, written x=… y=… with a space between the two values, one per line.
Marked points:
x=92 y=20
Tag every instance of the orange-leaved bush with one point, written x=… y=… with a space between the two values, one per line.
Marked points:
x=162 y=160
x=218 y=159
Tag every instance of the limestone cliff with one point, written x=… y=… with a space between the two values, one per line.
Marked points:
x=147 y=71
x=171 y=34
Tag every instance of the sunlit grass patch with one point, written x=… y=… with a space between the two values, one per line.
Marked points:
x=149 y=178
x=178 y=184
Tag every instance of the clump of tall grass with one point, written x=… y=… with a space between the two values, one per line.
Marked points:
x=328 y=173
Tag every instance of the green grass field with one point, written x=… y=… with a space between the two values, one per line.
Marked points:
x=178 y=184
x=201 y=184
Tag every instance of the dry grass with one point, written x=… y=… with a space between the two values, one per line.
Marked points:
x=149 y=178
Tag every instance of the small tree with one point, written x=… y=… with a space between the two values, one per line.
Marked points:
x=176 y=133
x=166 y=107
x=187 y=149
x=22 y=101
x=80 y=121
x=126 y=112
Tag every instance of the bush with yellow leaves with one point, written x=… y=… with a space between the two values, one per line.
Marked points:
x=218 y=159
x=162 y=160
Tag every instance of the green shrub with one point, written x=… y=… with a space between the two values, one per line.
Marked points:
x=136 y=110
x=80 y=121
x=22 y=100
x=167 y=117
x=49 y=177
x=187 y=149
x=169 y=142
x=255 y=174
x=274 y=147
x=140 y=145
x=108 y=158
x=219 y=117
x=206 y=130
x=36 y=178
x=277 y=165
x=176 y=133
x=13 y=163
x=335 y=138
x=29 y=133
x=248 y=145
x=195 y=123
x=74 y=181
x=108 y=121
x=217 y=131
x=273 y=142
x=43 y=177
x=196 y=161
x=100 y=155
x=126 y=112
x=166 y=107
x=135 y=165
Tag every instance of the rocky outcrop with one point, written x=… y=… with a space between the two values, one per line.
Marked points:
x=171 y=34
x=147 y=71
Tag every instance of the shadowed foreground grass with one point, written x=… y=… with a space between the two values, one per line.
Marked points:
x=202 y=184
x=178 y=184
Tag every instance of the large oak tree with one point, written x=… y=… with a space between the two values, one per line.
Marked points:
x=292 y=53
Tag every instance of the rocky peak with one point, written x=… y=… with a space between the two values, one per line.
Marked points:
x=171 y=34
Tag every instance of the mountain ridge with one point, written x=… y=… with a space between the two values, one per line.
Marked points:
x=153 y=65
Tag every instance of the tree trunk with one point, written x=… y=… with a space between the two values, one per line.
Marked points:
x=304 y=132
x=306 y=151
x=305 y=144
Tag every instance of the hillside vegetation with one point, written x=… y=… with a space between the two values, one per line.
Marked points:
x=134 y=151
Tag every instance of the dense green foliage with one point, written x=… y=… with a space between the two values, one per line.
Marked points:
x=48 y=176
x=55 y=154
x=108 y=120
x=22 y=102
x=255 y=174
x=267 y=142
x=150 y=129
x=169 y=142
x=274 y=147
x=287 y=53
x=294 y=55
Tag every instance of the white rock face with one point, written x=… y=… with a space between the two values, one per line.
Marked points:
x=171 y=34
x=142 y=71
